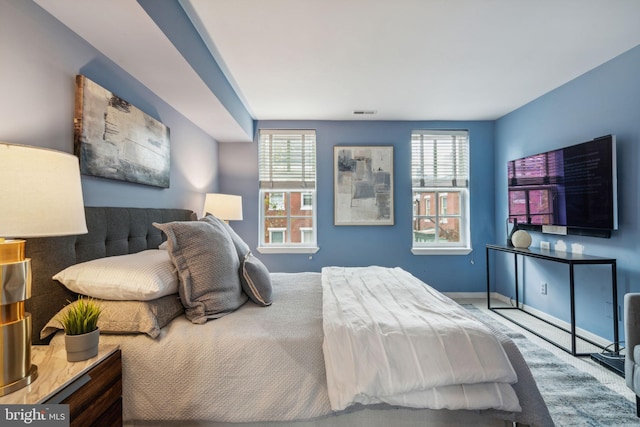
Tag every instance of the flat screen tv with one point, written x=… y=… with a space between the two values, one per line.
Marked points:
x=572 y=190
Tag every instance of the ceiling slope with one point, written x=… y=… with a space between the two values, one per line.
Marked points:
x=141 y=48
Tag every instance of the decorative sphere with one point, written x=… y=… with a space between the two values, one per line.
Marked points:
x=521 y=239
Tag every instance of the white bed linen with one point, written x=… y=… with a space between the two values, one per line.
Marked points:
x=389 y=337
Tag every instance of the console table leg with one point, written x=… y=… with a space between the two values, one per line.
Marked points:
x=515 y=263
x=488 y=281
x=614 y=286
x=573 y=310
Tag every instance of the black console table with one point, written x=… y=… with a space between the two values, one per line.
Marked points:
x=571 y=260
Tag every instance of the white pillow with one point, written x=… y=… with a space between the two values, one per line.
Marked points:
x=142 y=276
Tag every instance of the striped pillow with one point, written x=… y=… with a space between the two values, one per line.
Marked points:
x=256 y=280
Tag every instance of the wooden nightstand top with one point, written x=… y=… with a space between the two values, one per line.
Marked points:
x=54 y=373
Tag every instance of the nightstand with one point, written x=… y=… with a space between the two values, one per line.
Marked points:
x=92 y=388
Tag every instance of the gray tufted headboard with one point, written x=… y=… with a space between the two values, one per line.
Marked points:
x=112 y=231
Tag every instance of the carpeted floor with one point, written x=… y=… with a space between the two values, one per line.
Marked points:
x=574 y=397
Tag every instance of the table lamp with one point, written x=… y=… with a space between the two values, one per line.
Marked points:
x=40 y=196
x=226 y=207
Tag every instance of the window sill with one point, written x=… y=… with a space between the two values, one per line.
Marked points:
x=288 y=249
x=441 y=251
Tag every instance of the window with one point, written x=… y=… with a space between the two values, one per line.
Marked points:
x=287 y=174
x=307 y=234
x=277 y=235
x=443 y=203
x=443 y=207
x=440 y=184
x=275 y=201
x=534 y=205
x=532 y=191
x=307 y=201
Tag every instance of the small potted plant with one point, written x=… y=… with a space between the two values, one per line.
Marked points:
x=80 y=323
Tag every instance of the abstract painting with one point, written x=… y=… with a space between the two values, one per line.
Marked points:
x=113 y=139
x=363 y=185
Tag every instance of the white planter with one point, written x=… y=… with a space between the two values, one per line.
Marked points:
x=82 y=347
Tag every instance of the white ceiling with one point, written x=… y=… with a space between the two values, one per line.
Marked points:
x=323 y=59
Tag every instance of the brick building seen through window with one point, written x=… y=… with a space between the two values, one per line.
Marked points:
x=288 y=215
x=437 y=214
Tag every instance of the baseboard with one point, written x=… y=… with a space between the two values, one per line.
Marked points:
x=566 y=325
x=466 y=295
x=477 y=295
x=551 y=319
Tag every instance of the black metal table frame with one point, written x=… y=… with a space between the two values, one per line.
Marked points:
x=564 y=258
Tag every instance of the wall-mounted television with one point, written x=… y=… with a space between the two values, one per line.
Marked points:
x=572 y=190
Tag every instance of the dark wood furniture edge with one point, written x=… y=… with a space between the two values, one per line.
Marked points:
x=99 y=402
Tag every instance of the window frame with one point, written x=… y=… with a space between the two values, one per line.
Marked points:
x=439 y=188
x=292 y=170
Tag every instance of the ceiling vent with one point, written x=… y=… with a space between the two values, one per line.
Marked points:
x=364 y=112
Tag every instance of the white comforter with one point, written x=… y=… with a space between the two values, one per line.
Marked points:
x=389 y=337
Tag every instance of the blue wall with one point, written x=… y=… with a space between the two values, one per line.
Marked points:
x=40 y=58
x=603 y=101
x=372 y=245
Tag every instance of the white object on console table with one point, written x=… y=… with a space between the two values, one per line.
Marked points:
x=521 y=239
x=55 y=373
x=560 y=246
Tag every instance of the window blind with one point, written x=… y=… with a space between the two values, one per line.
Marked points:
x=440 y=159
x=287 y=159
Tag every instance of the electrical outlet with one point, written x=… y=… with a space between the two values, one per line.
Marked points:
x=543 y=288
x=544 y=245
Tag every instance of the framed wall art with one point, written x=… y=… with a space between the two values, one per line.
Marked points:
x=113 y=139
x=363 y=185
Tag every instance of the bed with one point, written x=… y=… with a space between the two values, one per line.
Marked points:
x=262 y=363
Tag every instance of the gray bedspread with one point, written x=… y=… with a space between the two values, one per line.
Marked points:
x=256 y=364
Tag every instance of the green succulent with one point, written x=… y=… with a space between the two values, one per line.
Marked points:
x=82 y=317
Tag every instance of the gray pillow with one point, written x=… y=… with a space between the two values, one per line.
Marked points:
x=127 y=317
x=207 y=265
x=241 y=247
x=256 y=280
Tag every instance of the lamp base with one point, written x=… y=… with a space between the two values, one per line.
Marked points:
x=22 y=382
x=15 y=324
x=15 y=350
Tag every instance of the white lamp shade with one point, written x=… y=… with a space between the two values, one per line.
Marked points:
x=40 y=193
x=227 y=207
